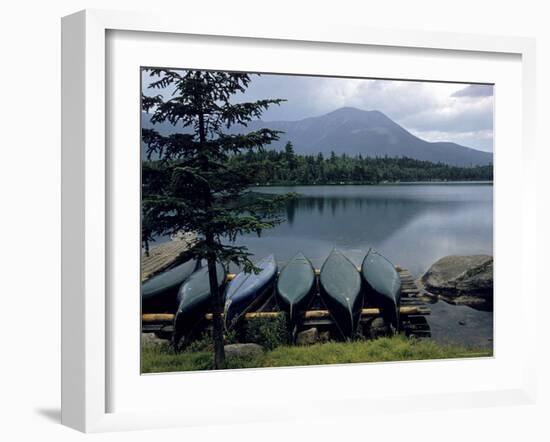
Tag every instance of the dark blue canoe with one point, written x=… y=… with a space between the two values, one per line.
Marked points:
x=340 y=287
x=194 y=299
x=246 y=290
x=295 y=286
x=159 y=294
x=382 y=285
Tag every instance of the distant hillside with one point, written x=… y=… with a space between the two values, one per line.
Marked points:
x=353 y=131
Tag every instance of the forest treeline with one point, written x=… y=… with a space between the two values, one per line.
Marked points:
x=270 y=167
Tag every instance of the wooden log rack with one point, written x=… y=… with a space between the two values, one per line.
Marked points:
x=413 y=311
x=163 y=318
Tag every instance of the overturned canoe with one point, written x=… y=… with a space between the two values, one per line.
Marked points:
x=159 y=294
x=382 y=285
x=194 y=299
x=246 y=290
x=340 y=287
x=295 y=286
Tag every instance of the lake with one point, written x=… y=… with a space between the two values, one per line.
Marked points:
x=413 y=225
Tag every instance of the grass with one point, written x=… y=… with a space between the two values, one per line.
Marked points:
x=160 y=358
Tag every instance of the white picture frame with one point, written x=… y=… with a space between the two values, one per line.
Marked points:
x=87 y=208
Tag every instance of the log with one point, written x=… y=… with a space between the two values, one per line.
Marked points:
x=157 y=317
x=310 y=314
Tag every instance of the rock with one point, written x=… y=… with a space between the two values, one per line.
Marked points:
x=462 y=322
x=378 y=328
x=243 y=350
x=461 y=276
x=324 y=336
x=427 y=297
x=151 y=340
x=307 y=337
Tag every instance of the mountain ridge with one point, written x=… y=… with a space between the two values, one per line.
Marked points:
x=354 y=131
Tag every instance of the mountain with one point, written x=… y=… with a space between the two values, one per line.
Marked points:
x=353 y=131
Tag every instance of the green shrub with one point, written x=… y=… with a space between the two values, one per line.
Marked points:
x=267 y=332
x=205 y=342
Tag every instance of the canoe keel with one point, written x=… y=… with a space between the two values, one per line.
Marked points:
x=340 y=288
x=345 y=317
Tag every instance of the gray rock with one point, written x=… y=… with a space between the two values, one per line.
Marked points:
x=151 y=340
x=472 y=301
x=378 y=328
x=307 y=337
x=324 y=336
x=455 y=276
x=243 y=350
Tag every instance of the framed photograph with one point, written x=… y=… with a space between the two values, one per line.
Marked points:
x=266 y=209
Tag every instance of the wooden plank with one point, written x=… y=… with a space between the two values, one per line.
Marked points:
x=157 y=317
x=162 y=256
x=407 y=302
x=317 y=322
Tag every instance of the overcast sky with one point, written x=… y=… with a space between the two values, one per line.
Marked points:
x=455 y=112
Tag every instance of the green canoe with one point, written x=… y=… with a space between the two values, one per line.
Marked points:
x=295 y=286
x=340 y=287
x=159 y=294
x=383 y=285
x=194 y=299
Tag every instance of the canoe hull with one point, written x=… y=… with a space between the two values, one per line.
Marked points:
x=195 y=300
x=347 y=319
x=295 y=287
x=295 y=310
x=159 y=294
x=340 y=288
x=236 y=309
x=248 y=290
x=382 y=285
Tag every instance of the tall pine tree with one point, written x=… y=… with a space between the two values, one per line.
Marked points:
x=191 y=186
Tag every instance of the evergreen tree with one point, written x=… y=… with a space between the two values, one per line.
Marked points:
x=290 y=157
x=194 y=187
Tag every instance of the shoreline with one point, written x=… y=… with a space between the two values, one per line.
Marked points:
x=385 y=183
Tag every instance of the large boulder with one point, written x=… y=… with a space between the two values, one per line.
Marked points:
x=461 y=276
x=246 y=351
x=307 y=337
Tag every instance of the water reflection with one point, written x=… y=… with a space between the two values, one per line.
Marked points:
x=412 y=225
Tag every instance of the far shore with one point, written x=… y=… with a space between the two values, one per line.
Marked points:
x=382 y=183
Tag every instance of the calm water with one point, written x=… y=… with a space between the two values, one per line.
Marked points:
x=412 y=225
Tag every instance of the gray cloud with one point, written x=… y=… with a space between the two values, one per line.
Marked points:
x=454 y=118
x=475 y=90
x=433 y=111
